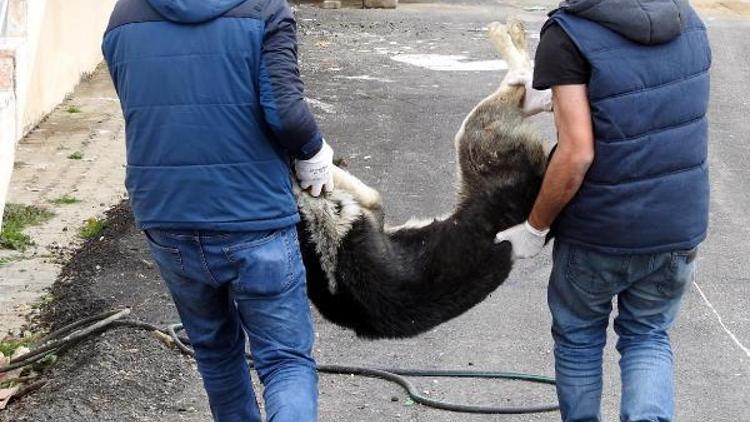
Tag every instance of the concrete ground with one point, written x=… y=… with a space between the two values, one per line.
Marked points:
x=89 y=124
x=389 y=101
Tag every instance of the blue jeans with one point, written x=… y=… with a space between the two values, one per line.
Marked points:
x=227 y=286
x=649 y=289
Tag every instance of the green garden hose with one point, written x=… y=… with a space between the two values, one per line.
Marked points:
x=72 y=334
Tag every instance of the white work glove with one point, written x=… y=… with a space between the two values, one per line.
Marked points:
x=316 y=172
x=535 y=101
x=526 y=241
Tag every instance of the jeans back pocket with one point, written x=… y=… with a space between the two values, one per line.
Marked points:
x=168 y=258
x=594 y=273
x=264 y=264
x=681 y=272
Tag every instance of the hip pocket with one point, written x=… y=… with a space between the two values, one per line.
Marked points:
x=168 y=258
x=264 y=264
x=593 y=273
x=681 y=272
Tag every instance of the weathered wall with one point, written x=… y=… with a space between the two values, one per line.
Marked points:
x=67 y=45
x=7 y=126
x=47 y=46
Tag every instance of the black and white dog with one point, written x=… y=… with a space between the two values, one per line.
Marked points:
x=401 y=281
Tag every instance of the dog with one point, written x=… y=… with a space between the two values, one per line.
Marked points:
x=396 y=282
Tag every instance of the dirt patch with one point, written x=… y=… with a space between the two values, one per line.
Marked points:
x=73 y=291
x=124 y=374
x=121 y=376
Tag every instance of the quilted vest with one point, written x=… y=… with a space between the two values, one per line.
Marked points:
x=200 y=152
x=647 y=190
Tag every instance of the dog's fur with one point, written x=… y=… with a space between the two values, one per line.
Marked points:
x=402 y=281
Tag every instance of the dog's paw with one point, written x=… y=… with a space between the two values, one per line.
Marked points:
x=517 y=31
x=510 y=42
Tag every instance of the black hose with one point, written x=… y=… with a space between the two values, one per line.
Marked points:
x=72 y=334
x=397 y=376
x=51 y=344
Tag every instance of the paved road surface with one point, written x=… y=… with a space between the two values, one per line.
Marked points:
x=394 y=121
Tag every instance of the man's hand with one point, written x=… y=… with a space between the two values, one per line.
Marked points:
x=534 y=101
x=526 y=241
x=316 y=172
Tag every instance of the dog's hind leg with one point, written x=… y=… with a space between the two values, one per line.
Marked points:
x=517 y=32
x=365 y=196
x=510 y=42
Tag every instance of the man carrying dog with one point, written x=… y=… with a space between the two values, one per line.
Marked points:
x=627 y=190
x=215 y=113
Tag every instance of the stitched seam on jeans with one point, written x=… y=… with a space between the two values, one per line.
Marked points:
x=574 y=278
x=290 y=272
x=168 y=250
x=252 y=243
x=571 y=273
x=686 y=252
x=153 y=242
x=569 y=264
x=183 y=236
x=228 y=256
x=205 y=262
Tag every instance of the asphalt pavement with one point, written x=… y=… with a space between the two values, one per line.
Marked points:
x=395 y=121
x=390 y=93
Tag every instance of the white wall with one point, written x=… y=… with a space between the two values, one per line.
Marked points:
x=51 y=44
x=65 y=38
x=7 y=126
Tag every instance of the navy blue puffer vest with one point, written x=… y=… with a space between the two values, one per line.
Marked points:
x=214 y=109
x=647 y=190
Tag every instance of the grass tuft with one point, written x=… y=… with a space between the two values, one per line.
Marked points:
x=17 y=217
x=73 y=109
x=45 y=300
x=65 y=200
x=46 y=363
x=78 y=155
x=7 y=260
x=91 y=228
x=8 y=347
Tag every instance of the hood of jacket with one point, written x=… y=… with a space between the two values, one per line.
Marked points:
x=646 y=22
x=193 y=11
